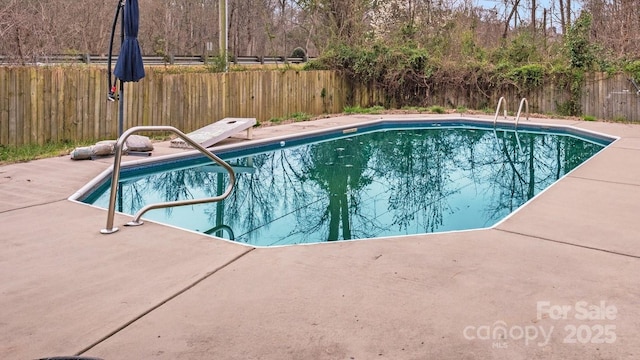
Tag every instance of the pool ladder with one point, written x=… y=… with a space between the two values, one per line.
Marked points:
x=503 y=102
x=109 y=229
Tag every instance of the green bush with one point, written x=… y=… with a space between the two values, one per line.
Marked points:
x=570 y=80
x=361 y=110
x=300 y=116
x=528 y=76
x=437 y=109
x=418 y=109
x=216 y=64
x=634 y=69
x=567 y=108
x=582 y=53
x=520 y=50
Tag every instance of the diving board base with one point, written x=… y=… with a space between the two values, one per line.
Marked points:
x=211 y=134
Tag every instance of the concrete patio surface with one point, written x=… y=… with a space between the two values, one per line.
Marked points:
x=559 y=279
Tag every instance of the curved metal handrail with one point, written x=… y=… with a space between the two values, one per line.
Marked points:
x=116 y=176
x=227 y=228
x=500 y=102
x=525 y=102
x=518 y=140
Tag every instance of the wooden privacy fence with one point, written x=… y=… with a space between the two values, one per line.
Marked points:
x=603 y=96
x=69 y=103
x=611 y=97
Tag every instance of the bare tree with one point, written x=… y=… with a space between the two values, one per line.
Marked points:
x=614 y=25
x=514 y=11
x=30 y=29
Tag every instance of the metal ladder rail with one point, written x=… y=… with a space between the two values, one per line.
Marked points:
x=226 y=228
x=109 y=229
x=524 y=101
x=500 y=102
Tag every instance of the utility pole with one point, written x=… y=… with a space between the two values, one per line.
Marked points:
x=223 y=30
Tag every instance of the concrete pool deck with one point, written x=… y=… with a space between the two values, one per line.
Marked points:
x=560 y=279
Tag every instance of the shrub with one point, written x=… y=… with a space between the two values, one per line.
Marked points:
x=528 y=76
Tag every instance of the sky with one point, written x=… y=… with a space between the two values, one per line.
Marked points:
x=500 y=3
x=525 y=5
x=541 y=4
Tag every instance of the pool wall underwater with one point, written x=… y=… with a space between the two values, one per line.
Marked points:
x=132 y=169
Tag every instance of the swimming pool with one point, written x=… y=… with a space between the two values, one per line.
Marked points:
x=385 y=178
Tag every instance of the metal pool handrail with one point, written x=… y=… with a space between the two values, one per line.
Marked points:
x=116 y=176
x=500 y=102
x=524 y=101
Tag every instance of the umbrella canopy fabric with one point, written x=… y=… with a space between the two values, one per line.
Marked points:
x=129 y=66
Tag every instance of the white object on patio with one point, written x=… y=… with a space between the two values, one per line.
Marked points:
x=218 y=131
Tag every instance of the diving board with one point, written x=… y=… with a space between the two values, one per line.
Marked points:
x=216 y=132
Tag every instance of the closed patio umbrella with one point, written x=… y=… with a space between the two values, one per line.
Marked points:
x=129 y=66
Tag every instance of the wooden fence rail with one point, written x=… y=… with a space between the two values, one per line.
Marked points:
x=69 y=103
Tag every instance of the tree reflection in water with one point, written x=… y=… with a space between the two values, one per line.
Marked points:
x=339 y=169
x=374 y=184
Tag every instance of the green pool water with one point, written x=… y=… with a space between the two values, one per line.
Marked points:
x=375 y=184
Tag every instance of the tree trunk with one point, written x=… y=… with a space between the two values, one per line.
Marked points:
x=533 y=17
x=562 y=22
x=506 y=23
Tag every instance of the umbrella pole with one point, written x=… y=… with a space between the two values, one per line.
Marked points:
x=121 y=98
x=121 y=109
x=112 y=88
